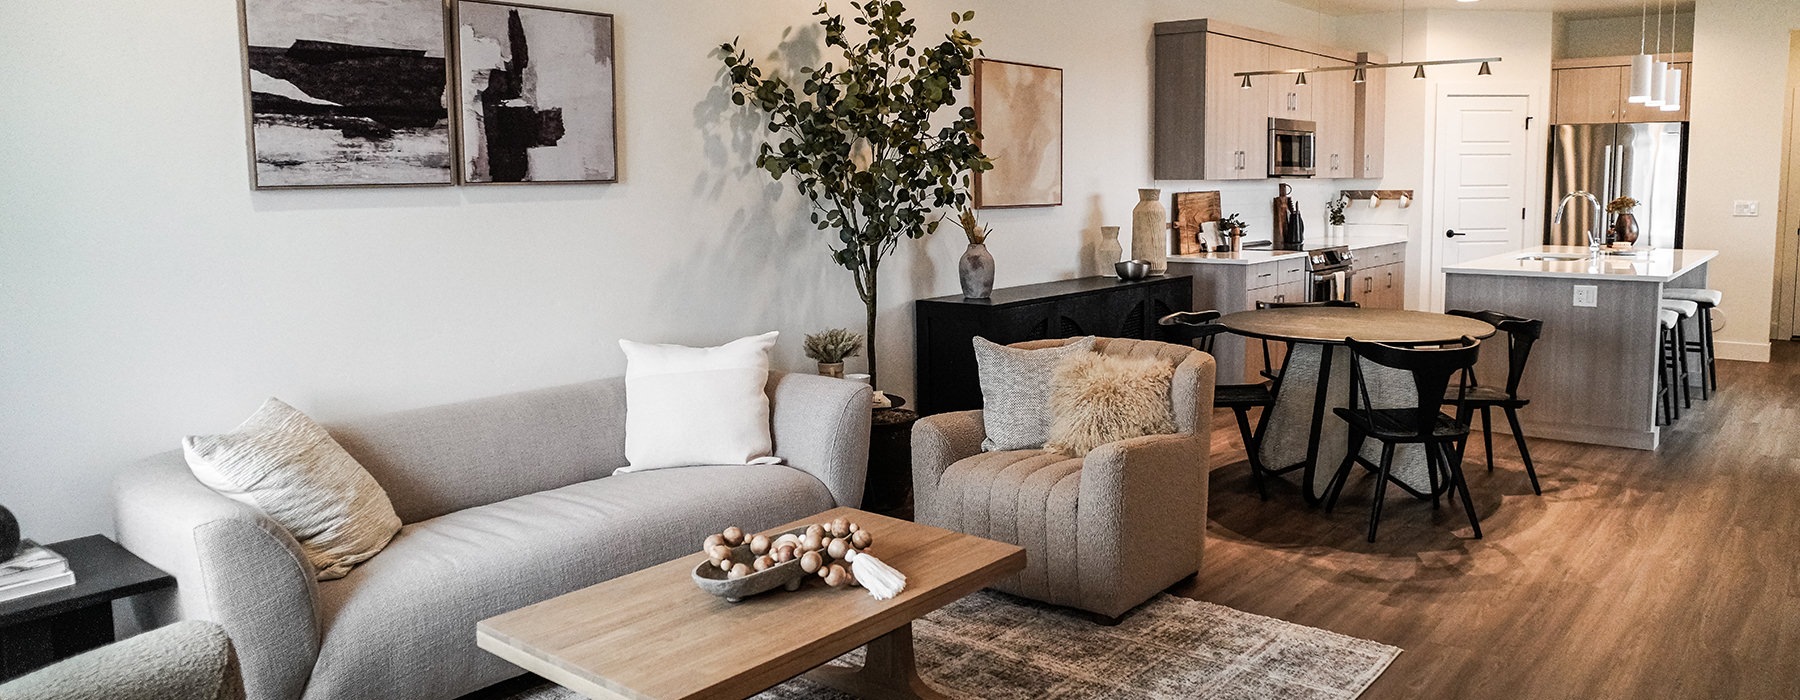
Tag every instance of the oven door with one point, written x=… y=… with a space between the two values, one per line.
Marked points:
x=1290 y=153
x=1329 y=285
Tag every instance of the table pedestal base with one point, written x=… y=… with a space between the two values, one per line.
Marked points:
x=887 y=673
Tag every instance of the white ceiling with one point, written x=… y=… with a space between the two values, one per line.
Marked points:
x=1582 y=7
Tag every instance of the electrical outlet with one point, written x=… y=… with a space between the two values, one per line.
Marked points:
x=1587 y=295
x=1743 y=207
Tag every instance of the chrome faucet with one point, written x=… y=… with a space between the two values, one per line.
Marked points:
x=1599 y=232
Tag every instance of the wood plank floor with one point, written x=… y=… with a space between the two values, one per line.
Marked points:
x=1673 y=574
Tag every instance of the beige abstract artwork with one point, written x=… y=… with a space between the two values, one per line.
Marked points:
x=1019 y=109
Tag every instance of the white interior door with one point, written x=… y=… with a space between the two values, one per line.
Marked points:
x=1481 y=182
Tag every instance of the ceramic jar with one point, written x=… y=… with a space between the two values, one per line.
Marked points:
x=1149 y=231
x=1625 y=228
x=1108 y=251
x=976 y=272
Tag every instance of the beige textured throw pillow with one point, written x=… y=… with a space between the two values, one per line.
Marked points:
x=1015 y=391
x=1096 y=399
x=282 y=463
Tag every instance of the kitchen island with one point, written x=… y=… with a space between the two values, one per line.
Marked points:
x=1592 y=376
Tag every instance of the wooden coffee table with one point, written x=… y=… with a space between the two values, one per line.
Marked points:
x=654 y=635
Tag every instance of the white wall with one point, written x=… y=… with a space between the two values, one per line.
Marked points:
x=1734 y=153
x=1523 y=39
x=146 y=293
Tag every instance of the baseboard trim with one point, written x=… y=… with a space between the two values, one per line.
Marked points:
x=1741 y=351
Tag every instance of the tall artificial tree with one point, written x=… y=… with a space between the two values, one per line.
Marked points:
x=857 y=136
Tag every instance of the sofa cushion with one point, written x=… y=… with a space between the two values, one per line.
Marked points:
x=687 y=406
x=1022 y=497
x=1015 y=391
x=403 y=623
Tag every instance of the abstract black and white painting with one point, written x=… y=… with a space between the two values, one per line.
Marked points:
x=347 y=92
x=536 y=91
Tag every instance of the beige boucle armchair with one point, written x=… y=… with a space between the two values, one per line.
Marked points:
x=1101 y=533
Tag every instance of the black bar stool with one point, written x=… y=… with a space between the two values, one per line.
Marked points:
x=1707 y=300
x=1422 y=423
x=1684 y=311
x=1666 y=366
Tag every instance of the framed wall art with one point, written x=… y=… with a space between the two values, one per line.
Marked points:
x=1018 y=107
x=536 y=94
x=346 y=93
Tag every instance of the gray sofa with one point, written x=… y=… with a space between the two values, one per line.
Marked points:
x=189 y=660
x=506 y=501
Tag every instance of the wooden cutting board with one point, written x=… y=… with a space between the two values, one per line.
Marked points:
x=1189 y=211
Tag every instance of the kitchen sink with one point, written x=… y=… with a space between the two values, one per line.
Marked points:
x=1554 y=257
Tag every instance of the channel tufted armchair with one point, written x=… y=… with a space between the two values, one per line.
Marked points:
x=1102 y=533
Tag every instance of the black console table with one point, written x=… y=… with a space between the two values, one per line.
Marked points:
x=945 y=327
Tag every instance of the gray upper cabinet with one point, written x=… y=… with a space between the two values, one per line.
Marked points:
x=1209 y=127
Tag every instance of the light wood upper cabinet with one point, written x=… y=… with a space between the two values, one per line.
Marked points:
x=1207 y=127
x=1371 y=119
x=1596 y=91
x=1334 y=109
x=1589 y=95
x=1288 y=100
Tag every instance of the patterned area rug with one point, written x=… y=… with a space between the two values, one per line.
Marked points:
x=998 y=647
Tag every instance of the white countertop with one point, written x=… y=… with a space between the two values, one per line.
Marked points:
x=1355 y=241
x=1646 y=265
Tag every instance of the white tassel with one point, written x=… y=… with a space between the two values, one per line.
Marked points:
x=882 y=580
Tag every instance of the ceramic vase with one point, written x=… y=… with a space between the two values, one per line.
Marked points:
x=1149 y=228
x=1334 y=230
x=834 y=370
x=976 y=272
x=1108 y=251
x=9 y=535
x=1625 y=228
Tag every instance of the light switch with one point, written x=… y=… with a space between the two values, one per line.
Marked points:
x=1587 y=295
x=1743 y=207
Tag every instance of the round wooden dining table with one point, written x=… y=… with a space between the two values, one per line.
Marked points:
x=1296 y=433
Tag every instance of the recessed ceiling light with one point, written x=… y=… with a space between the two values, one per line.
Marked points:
x=1468 y=0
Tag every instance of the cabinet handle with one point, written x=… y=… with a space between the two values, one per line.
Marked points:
x=1367 y=158
x=1390 y=280
x=1265 y=274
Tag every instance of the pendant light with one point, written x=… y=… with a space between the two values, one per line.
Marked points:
x=1672 y=80
x=1643 y=63
x=1360 y=76
x=1300 y=80
x=1419 y=73
x=1485 y=70
x=1659 y=71
x=1246 y=84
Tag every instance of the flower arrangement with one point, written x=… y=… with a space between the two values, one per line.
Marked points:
x=1622 y=204
x=1334 y=211
x=833 y=345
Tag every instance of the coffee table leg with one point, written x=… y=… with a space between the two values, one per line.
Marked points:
x=887 y=672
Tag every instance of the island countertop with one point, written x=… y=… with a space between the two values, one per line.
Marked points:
x=1572 y=262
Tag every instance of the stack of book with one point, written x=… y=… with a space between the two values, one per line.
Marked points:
x=37 y=569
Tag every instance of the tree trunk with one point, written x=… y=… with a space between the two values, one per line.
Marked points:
x=870 y=306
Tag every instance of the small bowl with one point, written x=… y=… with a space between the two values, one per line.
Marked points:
x=1132 y=270
x=713 y=580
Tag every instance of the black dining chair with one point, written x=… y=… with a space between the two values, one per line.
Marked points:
x=1199 y=328
x=1422 y=423
x=1268 y=370
x=1521 y=333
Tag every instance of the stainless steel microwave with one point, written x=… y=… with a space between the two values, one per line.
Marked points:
x=1291 y=148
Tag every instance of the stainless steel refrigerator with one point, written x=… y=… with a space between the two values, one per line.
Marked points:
x=1647 y=162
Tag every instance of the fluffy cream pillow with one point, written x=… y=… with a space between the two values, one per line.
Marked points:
x=697 y=406
x=1096 y=399
x=282 y=463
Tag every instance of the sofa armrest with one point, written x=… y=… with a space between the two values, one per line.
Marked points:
x=1142 y=515
x=232 y=565
x=189 y=660
x=938 y=442
x=821 y=427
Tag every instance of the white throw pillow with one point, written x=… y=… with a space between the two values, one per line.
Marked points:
x=282 y=463
x=697 y=406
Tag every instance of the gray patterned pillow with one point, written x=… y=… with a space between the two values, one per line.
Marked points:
x=1015 y=392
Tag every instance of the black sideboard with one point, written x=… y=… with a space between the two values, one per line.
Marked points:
x=945 y=327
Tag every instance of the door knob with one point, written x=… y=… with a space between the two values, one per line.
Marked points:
x=1452 y=234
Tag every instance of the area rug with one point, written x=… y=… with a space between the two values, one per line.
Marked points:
x=998 y=647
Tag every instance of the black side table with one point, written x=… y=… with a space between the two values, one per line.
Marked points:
x=38 y=630
x=888 y=488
